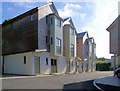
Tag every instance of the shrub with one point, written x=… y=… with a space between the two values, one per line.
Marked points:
x=111 y=67
x=103 y=66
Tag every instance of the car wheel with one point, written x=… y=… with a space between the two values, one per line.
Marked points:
x=118 y=75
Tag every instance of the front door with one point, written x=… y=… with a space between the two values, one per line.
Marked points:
x=37 y=65
x=53 y=66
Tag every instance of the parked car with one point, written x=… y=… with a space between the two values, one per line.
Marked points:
x=117 y=72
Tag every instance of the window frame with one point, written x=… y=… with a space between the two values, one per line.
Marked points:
x=72 y=32
x=58 y=22
x=25 y=61
x=72 y=50
x=58 y=45
x=46 y=61
x=31 y=17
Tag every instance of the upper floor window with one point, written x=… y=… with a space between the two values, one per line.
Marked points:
x=58 y=45
x=46 y=19
x=51 y=41
x=58 y=22
x=72 y=31
x=72 y=50
x=31 y=17
x=46 y=39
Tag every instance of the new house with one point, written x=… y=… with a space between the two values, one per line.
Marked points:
x=33 y=43
x=86 y=51
x=41 y=42
x=114 y=31
x=93 y=65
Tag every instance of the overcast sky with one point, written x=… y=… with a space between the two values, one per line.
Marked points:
x=93 y=17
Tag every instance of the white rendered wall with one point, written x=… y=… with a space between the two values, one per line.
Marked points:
x=44 y=69
x=61 y=65
x=14 y=64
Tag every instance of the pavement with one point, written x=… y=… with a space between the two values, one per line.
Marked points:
x=111 y=82
x=82 y=81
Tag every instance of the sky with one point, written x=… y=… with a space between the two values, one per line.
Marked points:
x=93 y=17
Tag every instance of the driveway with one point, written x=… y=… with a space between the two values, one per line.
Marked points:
x=67 y=81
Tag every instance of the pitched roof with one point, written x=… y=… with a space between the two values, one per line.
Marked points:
x=113 y=23
x=29 y=12
x=80 y=35
x=91 y=38
x=66 y=18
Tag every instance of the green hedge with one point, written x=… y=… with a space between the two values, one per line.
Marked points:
x=111 y=67
x=103 y=66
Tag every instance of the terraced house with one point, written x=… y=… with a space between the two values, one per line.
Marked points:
x=33 y=43
x=86 y=51
x=41 y=42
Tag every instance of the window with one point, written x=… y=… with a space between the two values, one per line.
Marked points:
x=46 y=61
x=24 y=59
x=72 y=31
x=58 y=46
x=31 y=17
x=51 y=20
x=58 y=22
x=72 y=50
x=46 y=39
x=51 y=40
x=47 y=19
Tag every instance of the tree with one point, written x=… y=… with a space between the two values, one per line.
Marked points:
x=6 y=20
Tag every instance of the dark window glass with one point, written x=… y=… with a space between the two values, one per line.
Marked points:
x=51 y=40
x=46 y=39
x=51 y=61
x=58 y=22
x=31 y=17
x=72 y=31
x=24 y=59
x=46 y=61
x=47 y=19
x=58 y=46
x=72 y=50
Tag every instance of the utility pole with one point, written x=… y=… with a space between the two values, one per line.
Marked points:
x=114 y=62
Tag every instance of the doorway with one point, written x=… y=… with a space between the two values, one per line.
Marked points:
x=53 y=66
x=37 y=65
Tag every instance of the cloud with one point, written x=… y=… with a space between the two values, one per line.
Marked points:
x=104 y=14
x=29 y=4
x=71 y=10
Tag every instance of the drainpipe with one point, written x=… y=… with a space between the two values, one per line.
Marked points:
x=114 y=62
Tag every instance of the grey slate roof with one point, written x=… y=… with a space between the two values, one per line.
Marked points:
x=91 y=38
x=66 y=18
x=80 y=35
